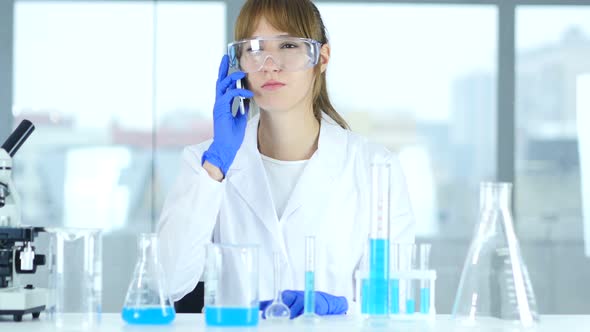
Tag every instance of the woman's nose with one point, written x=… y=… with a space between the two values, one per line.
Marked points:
x=270 y=64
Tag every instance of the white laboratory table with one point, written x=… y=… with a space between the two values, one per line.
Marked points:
x=195 y=322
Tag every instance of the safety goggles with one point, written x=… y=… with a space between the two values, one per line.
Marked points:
x=288 y=53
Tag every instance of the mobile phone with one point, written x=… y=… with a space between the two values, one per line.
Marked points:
x=240 y=85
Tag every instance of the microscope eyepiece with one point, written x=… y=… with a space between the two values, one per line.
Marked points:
x=18 y=137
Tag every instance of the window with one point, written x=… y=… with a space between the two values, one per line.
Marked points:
x=421 y=79
x=79 y=80
x=107 y=83
x=117 y=88
x=552 y=52
x=413 y=78
x=190 y=42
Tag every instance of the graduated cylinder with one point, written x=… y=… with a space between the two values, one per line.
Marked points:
x=377 y=283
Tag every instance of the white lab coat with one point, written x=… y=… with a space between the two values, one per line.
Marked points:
x=330 y=201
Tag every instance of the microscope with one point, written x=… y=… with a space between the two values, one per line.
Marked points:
x=17 y=254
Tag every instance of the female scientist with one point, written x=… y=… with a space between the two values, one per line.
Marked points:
x=292 y=170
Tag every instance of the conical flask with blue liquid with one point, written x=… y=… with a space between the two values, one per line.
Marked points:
x=147 y=301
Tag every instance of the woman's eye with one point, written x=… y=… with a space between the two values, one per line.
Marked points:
x=289 y=45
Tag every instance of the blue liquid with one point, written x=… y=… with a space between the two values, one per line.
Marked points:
x=148 y=315
x=364 y=297
x=237 y=316
x=379 y=259
x=309 y=295
x=424 y=300
x=410 y=306
x=394 y=286
x=378 y=283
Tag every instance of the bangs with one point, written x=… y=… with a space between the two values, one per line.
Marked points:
x=291 y=16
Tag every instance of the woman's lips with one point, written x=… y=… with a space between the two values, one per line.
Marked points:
x=272 y=85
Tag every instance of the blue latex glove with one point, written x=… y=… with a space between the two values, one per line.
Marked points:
x=228 y=131
x=325 y=304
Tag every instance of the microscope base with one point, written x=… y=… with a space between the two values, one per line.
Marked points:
x=20 y=301
x=17 y=315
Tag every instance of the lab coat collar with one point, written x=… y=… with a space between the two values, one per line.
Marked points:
x=248 y=176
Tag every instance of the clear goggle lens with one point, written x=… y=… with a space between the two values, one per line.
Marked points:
x=288 y=53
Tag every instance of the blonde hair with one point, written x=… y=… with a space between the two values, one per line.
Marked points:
x=299 y=18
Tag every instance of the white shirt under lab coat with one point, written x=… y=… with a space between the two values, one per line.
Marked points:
x=330 y=201
x=282 y=176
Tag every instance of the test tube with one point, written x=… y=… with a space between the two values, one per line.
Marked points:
x=394 y=281
x=407 y=256
x=424 y=250
x=309 y=294
x=378 y=297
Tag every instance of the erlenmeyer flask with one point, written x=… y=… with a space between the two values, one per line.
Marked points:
x=495 y=282
x=147 y=301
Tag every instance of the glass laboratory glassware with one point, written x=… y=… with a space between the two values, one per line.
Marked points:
x=361 y=276
x=394 y=268
x=309 y=315
x=495 y=282
x=425 y=284
x=377 y=285
x=406 y=285
x=277 y=310
x=147 y=301
x=412 y=283
x=75 y=277
x=231 y=285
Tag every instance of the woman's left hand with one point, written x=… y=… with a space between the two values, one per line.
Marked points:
x=325 y=304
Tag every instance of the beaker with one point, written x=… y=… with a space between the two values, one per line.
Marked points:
x=231 y=285
x=147 y=300
x=75 y=277
x=495 y=282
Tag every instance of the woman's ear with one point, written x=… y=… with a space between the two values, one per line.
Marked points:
x=324 y=56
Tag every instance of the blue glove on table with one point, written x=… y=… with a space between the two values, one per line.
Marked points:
x=228 y=131
x=325 y=304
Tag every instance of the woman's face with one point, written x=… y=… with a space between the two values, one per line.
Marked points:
x=296 y=93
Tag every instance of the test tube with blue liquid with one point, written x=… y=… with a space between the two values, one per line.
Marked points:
x=377 y=287
x=394 y=281
x=424 y=250
x=408 y=253
x=309 y=315
x=309 y=295
x=412 y=282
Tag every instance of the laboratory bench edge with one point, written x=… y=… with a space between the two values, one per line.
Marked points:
x=111 y=322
